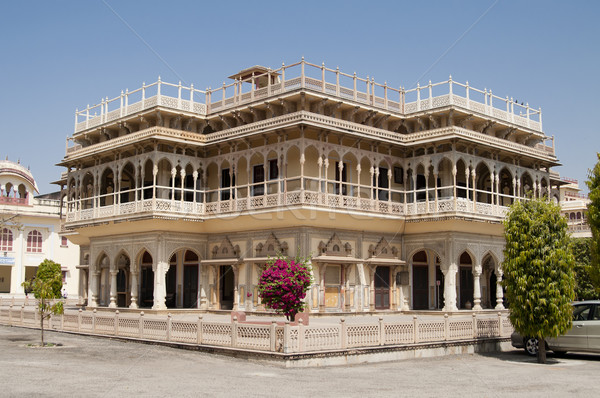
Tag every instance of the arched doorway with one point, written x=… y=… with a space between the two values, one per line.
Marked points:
x=420 y=281
x=146 y=281
x=466 y=281
x=190 y=280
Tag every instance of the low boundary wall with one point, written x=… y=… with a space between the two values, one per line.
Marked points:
x=301 y=345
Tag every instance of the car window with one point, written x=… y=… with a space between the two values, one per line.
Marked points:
x=581 y=312
x=596 y=315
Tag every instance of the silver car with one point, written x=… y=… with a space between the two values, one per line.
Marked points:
x=583 y=336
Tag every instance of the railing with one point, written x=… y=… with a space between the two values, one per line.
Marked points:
x=304 y=75
x=273 y=337
x=13 y=201
x=245 y=205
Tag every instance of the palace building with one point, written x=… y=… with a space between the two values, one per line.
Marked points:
x=29 y=233
x=178 y=196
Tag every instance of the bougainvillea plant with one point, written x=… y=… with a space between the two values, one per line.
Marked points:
x=283 y=285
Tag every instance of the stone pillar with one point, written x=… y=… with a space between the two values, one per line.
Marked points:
x=236 y=292
x=372 y=288
x=322 y=268
x=113 y=288
x=134 y=289
x=454 y=171
x=160 y=289
x=474 y=176
x=93 y=289
x=202 y=285
x=477 y=288
x=450 y=288
x=499 y=292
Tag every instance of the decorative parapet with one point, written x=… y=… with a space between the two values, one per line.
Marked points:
x=317 y=78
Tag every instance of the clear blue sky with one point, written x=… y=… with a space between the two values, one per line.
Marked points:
x=60 y=55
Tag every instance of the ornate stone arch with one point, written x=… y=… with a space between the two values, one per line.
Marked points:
x=272 y=247
x=225 y=250
x=383 y=250
x=335 y=247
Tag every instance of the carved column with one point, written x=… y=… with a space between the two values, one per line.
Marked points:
x=499 y=292
x=426 y=190
x=477 y=288
x=134 y=289
x=358 y=180
x=182 y=175
x=454 y=171
x=113 y=288
x=435 y=179
x=474 y=176
x=372 y=288
x=154 y=174
x=322 y=268
x=236 y=293
x=202 y=286
x=326 y=165
x=450 y=288
x=94 y=281
x=160 y=291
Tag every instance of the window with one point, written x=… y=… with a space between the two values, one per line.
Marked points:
x=34 y=242
x=227 y=181
x=273 y=169
x=6 y=240
x=381 y=182
x=258 y=177
x=64 y=242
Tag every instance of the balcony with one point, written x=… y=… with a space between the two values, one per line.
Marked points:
x=197 y=205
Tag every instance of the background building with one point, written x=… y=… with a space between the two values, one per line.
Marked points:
x=573 y=205
x=29 y=232
x=179 y=196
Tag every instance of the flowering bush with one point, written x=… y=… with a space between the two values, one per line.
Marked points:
x=283 y=285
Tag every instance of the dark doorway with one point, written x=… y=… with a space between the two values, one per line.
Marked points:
x=121 y=288
x=466 y=286
x=190 y=286
x=382 y=288
x=420 y=287
x=492 y=289
x=226 y=289
x=147 y=287
x=439 y=287
x=171 y=284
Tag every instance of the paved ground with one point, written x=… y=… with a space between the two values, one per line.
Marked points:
x=98 y=367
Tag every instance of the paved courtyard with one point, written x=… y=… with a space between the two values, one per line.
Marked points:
x=98 y=367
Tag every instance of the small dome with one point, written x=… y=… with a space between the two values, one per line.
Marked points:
x=11 y=169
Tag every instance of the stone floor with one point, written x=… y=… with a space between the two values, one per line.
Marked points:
x=100 y=367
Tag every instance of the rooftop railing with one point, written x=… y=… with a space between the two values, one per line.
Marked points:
x=318 y=78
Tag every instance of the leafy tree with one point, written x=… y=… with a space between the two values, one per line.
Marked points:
x=538 y=271
x=283 y=285
x=46 y=286
x=584 y=289
x=593 y=184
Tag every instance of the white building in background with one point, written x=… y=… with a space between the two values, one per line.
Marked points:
x=573 y=205
x=29 y=232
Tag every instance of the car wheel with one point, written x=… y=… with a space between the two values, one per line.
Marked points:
x=531 y=346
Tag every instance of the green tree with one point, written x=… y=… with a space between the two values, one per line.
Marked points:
x=45 y=287
x=593 y=184
x=584 y=289
x=538 y=271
